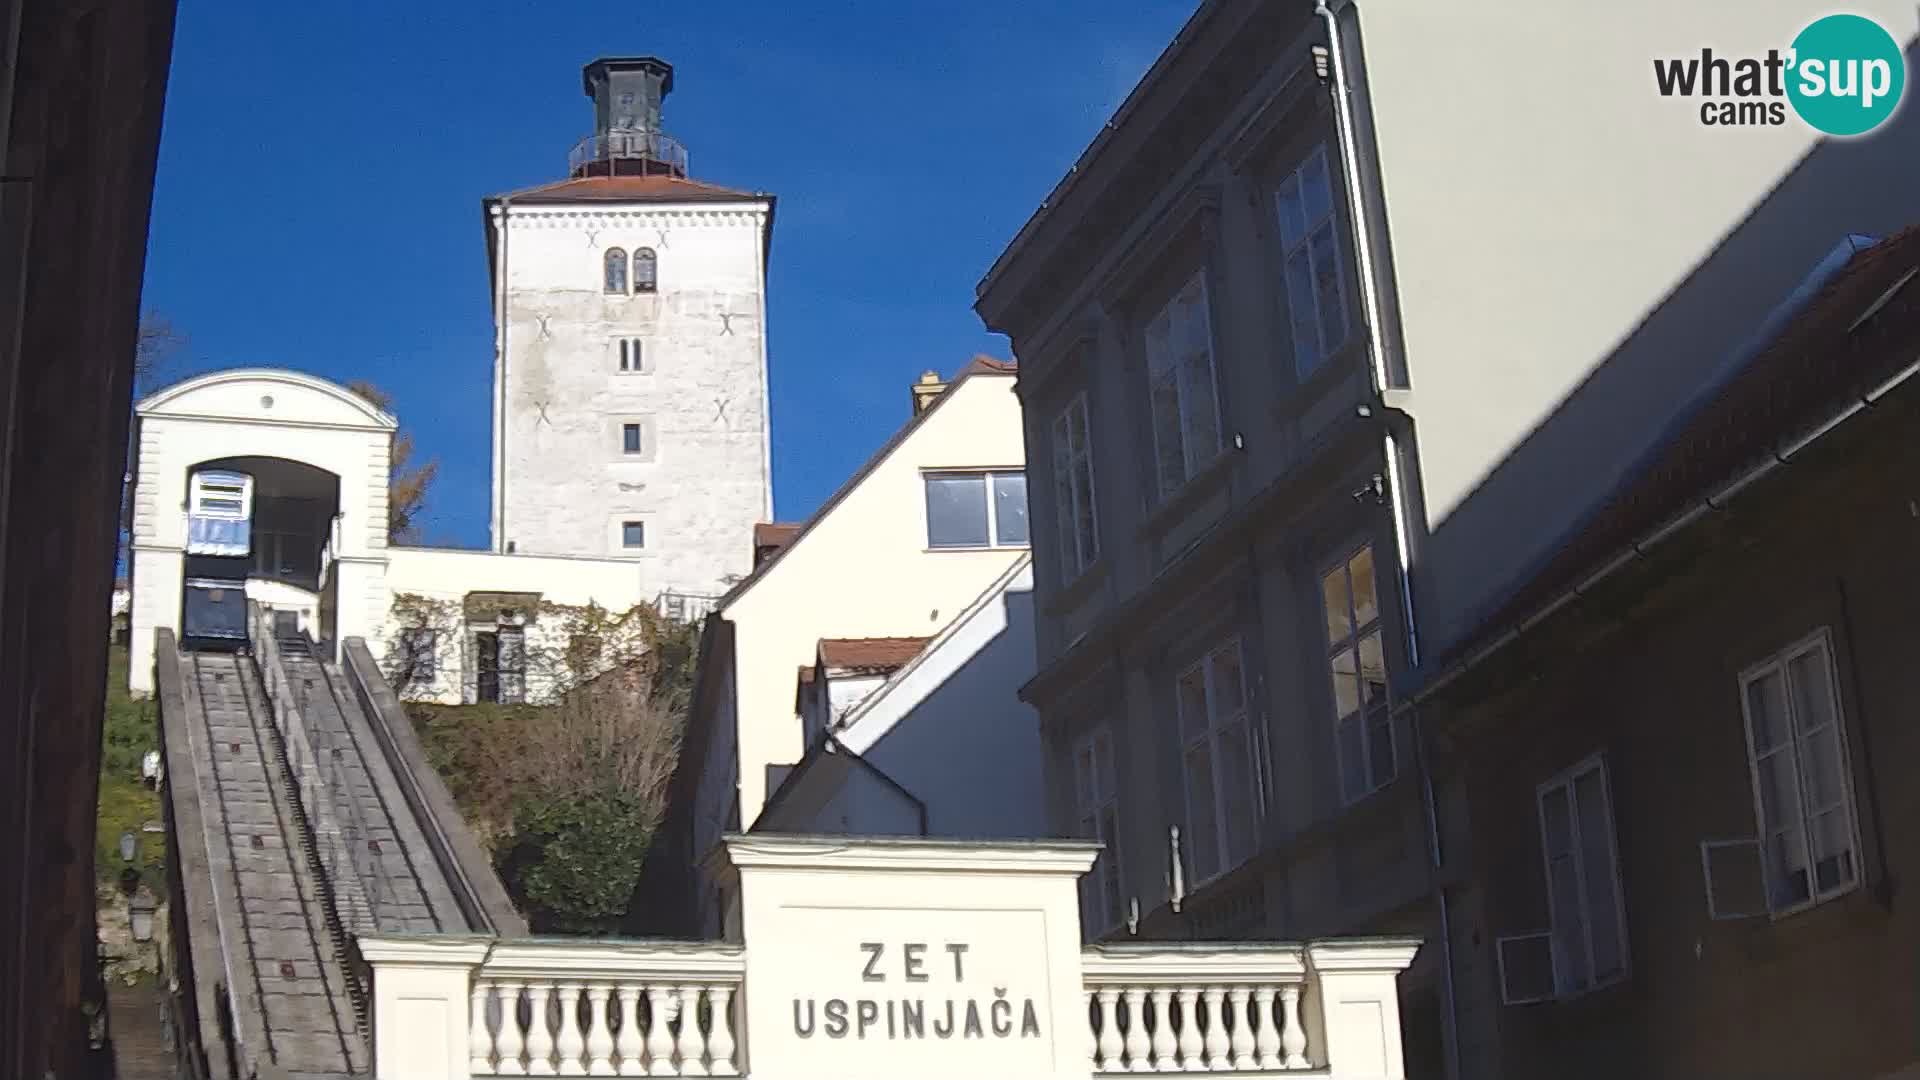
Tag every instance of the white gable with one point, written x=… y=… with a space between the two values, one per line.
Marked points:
x=267 y=396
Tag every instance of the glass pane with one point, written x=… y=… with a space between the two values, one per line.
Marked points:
x=1083 y=511
x=633 y=534
x=1064 y=519
x=1336 y=601
x=630 y=438
x=616 y=268
x=1077 y=425
x=1192 y=691
x=1346 y=684
x=1597 y=868
x=1301 y=311
x=1787 y=882
x=1237 y=787
x=1010 y=508
x=1366 y=603
x=1327 y=288
x=1201 y=837
x=1820 y=766
x=1202 y=408
x=1166 y=434
x=1832 y=850
x=1353 y=757
x=644 y=270
x=1316 y=190
x=1380 y=757
x=1569 y=924
x=1373 y=670
x=1228 y=683
x=1779 y=793
x=1293 y=220
x=1556 y=823
x=1767 y=711
x=1159 y=343
x=1807 y=675
x=956 y=511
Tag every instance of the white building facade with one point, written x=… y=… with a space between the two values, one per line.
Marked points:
x=631 y=366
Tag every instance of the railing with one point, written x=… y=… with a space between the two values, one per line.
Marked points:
x=634 y=1008
x=685 y=607
x=1156 y=1008
x=614 y=147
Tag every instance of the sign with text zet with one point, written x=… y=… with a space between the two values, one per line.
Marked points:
x=911 y=958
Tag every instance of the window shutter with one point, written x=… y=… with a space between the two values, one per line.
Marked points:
x=1527 y=974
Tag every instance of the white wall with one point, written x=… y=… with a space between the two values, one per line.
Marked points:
x=863 y=569
x=951 y=729
x=1574 y=253
x=252 y=412
x=702 y=396
x=448 y=575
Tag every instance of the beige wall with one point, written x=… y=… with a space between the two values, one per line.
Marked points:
x=864 y=570
x=1574 y=253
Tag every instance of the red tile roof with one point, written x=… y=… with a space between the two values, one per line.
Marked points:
x=654 y=188
x=775 y=534
x=870 y=654
x=1827 y=354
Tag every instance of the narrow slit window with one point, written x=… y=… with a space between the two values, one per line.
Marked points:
x=646 y=270
x=630 y=442
x=615 y=268
x=633 y=355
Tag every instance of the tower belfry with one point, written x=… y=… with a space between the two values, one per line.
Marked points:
x=627 y=138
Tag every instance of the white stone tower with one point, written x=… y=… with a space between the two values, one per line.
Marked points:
x=630 y=370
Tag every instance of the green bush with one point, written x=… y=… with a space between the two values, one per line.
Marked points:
x=126 y=804
x=575 y=857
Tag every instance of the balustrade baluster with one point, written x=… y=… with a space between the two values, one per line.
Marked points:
x=1165 y=1050
x=630 y=1045
x=539 y=1031
x=1110 y=1044
x=512 y=1042
x=1293 y=1037
x=1241 y=1044
x=659 y=1038
x=720 y=1041
x=691 y=1045
x=1190 y=1044
x=479 y=1037
x=599 y=1036
x=1217 y=1030
x=570 y=1044
x=1137 y=1045
x=1093 y=1033
x=1266 y=1039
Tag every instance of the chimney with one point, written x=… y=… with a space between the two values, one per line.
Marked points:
x=924 y=391
x=627 y=139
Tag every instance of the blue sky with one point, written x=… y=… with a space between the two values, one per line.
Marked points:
x=322 y=166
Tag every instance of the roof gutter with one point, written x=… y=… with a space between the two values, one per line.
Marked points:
x=1637 y=550
x=505 y=206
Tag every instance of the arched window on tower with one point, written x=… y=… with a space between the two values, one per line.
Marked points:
x=646 y=269
x=616 y=272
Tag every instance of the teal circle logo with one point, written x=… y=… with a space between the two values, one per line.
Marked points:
x=1847 y=75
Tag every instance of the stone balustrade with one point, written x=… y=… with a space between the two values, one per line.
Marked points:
x=873 y=959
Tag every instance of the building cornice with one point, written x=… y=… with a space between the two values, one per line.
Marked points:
x=764 y=851
x=601 y=217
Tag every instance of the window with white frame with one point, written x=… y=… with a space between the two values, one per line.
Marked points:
x=1310 y=245
x=1218 y=764
x=976 y=509
x=1803 y=789
x=1073 y=490
x=1186 y=410
x=1586 y=945
x=1357 y=667
x=1097 y=810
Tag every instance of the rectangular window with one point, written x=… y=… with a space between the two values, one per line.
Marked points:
x=1073 y=490
x=1802 y=786
x=1589 y=935
x=1096 y=800
x=976 y=509
x=1186 y=413
x=1310 y=245
x=633 y=534
x=1357 y=666
x=633 y=356
x=1218 y=756
x=630 y=438
x=419 y=650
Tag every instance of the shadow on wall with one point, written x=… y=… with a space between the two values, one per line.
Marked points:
x=1546 y=486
